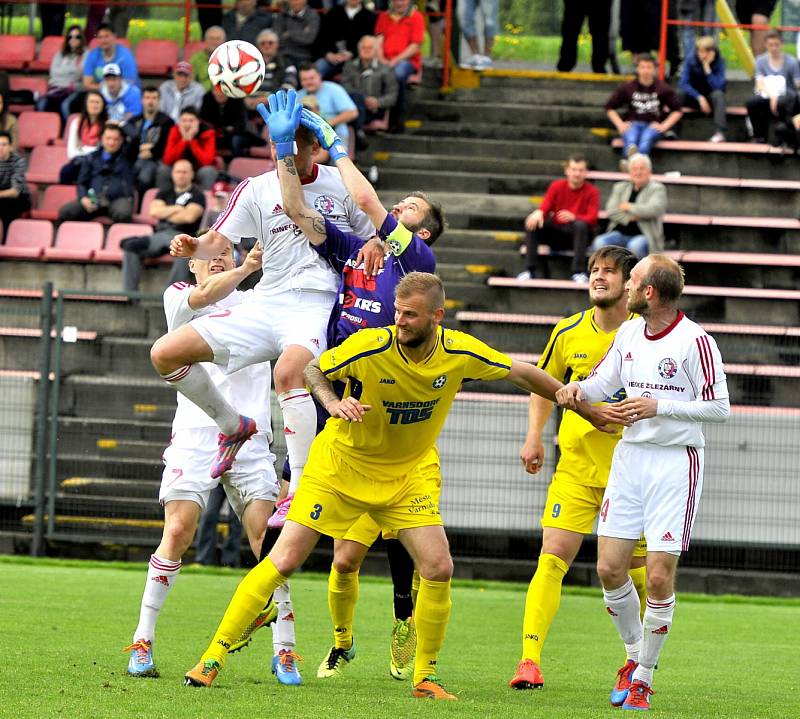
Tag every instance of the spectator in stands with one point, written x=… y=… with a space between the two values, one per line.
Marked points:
x=147 y=138
x=466 y=16
x=640 y=30
x=342 y=28
x=83 y=135
x=190 y=139
x=696 y=10
x=209 y=17
x=66 y=71
x=702 y=84
x=178 y=210
x=335 y=104
x=214 y=37
x=278 y=75
x=245 y=21
x=566 y=219
x=228 y=117
x=123 y=100
x=575 y=12
x=108 y=50
x=182 y=91
x=297 y=27
x=401 y=30
x=105 y=182
x=371 y=85
x=8 y=121
x=635 y=210
x=644 y=119
x=436 y=25
x=777 y=80
x=756 y=12
x=15 y=197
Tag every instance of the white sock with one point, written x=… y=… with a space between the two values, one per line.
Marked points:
x=194 y=383
x=623 y=607
x=656 y=623
x=283 y=629
x=161 y=576
x=299 y=428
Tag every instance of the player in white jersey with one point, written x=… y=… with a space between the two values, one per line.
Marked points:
x=287 y=321
x=250 y=485
x=673 y=376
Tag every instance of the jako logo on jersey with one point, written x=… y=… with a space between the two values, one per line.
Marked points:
x=668 y=368
x=439 y=382
x=628 y=357
x=667 y=537
x=580 y=355
x=323 y=204
x=277 y=209
x=386 y=380
x=409 y=412
x=161 y=579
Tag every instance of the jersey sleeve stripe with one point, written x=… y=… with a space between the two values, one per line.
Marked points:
x=707 y=363
x=478 y=357
x=558 y=334
x=354 y=358
x=231 y=204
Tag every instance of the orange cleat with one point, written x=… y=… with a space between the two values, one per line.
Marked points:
x=203 y=674
x=638 y=697
x=528 y=676
x=620 y=691
x=431 y=688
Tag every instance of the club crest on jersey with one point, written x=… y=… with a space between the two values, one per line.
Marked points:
x=439 y=382
x=668 y=368
x=323 y=204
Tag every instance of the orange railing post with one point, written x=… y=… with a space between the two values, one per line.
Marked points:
x=662 y=41
x=448 y=32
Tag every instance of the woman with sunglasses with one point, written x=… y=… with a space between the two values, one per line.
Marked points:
x=66 y=70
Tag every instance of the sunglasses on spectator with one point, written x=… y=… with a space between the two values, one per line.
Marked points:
x=75 y=37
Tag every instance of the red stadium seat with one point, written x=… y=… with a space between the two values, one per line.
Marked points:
x=54 y=197
x=242 y=167
x=191 y=48
x=49 y=47
x=156 y=57
x=116 y=233
x=16 y=51
x=121 y=40
x=27 y=239
x=45 y=163
x=38 y=128
x=143 y=217
x=37 y=85
x=63 y=139
x=76 y=242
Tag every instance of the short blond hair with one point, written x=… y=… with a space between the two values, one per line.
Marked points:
x=422 y=283
x=706 y=42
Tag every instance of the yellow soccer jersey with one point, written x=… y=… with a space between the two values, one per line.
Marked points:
x=409 y=401
x=576 y=345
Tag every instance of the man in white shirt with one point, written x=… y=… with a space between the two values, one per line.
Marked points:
x=672 y=373
x=251 y=484
x=181 y=92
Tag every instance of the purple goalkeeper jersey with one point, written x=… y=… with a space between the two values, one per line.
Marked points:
x=369 y=302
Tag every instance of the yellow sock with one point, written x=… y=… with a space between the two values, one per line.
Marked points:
x=431 y=615
x=342 y=598
x=414 y=587
x=249 y=599
x=639 y=577
x=541 y=604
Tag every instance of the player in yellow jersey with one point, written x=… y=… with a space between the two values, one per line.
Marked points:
x=576 y=345
x=401 y=381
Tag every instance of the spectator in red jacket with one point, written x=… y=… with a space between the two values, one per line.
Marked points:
x=190 y=139
x=566 y=219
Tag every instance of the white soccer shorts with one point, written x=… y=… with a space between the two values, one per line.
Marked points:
x=655 y=491
x=188 y=459
x=259 y=330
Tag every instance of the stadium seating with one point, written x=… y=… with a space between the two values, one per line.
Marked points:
x=38 y=128
x=76 y=242
x=111 y=252
x=67 y=125
x=37 y=85
x=27 y=239
x=156 y=57
x=142 y=217
x=54 y=197
x=49 y=46
x=18 y=51
x=192 y=47
x=121 y=40
x=242 y=167
x=45 y=163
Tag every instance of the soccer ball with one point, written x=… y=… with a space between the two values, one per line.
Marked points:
x=237 y=68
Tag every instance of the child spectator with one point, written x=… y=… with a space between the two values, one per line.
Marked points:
x=702 y=84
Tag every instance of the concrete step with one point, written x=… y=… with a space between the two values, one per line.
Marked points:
x=104 y=530
x=146 y=489
x=480 y=165
x=92 y=428
x=79 y=276
x=578 y=133
x=94 y=465
x=117 y=397
x=131 y=508
x=469 y=273
x=512 y=114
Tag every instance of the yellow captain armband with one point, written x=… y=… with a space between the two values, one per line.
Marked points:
x=398 y=239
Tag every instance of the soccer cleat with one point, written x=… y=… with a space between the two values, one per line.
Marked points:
x=202 y=675
x=620 y=691
x=638 y=697
x=278 y=518
x=403 y=648
x=265 y=617
x=284 y=667
x=431 y=688
x=230 y=444
x=528 y=676
x=334 y=663
x=141 y=663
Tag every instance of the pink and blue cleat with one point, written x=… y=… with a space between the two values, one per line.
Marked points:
x=623 y=684
x=284 y=667
x=230 y=444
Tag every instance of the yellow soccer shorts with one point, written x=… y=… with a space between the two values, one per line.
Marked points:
x=333 y=496
x=575 y=507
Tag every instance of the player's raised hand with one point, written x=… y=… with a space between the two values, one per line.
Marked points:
x=253 y=260
x=569 y=395
x=348 y=408
x=532 y=455
x=183 y=246
x=372 y=254
x=282 y=119
x=324 y=133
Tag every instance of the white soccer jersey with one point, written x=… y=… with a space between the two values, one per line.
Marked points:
x=290 y=263
x=247 y=389
x=681 y=363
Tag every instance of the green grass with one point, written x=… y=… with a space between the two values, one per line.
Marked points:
x=64 y=624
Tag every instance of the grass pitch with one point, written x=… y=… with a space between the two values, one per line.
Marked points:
x=64 y=624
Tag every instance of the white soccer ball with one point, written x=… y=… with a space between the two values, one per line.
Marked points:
x=237 y=68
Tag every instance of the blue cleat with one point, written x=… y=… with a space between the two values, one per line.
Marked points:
x=141 y=663
x=284 y=667
x=624 y=676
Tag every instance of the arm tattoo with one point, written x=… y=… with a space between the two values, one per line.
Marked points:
x=319 y=385
x=290 y=166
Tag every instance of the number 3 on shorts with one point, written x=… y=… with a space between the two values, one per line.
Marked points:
x=316 y=511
